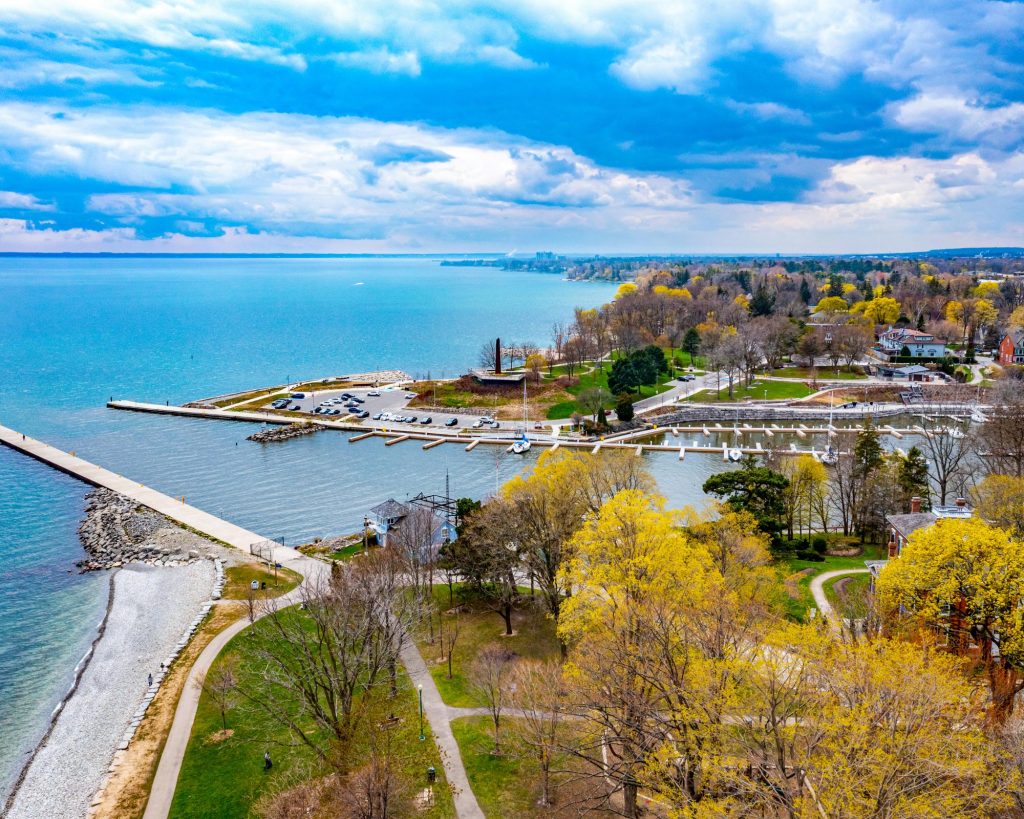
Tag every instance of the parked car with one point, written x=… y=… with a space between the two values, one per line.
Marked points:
x=357 y=399
x=374 y=394
x=427 y=420
x=688 y=378
x=363 y=413
x=379 y=417
x=452 y=422
x=410 y=419
x=318 y=410
x=298 y=395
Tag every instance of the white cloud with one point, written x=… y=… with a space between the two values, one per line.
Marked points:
x=769 y=110
x=22 y=201
x=381 y=61
x=961 y=118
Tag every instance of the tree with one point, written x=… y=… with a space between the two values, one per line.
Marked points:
x=912 y=477
x=883 y=310
x=322 y=669
x=762 y=303
x=220 y=684
x=810 y=347
x=1001 y=437
x=538 y=694
x=489 y=553
x=753 y=489
x=805 y=291
x=489 y=679
x=415 y=541
x=851 y=341
x=593 y=399
x=691 y=343
x=624 y=377
x=486 y=356
x=963 y=579
x=949 y=456
x=624 y=407
x=832 y=304
x=536 y=362
x=803 y=497
x=630 y=562
x=999 y=499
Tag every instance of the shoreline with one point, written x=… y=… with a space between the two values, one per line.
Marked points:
x=80 y=668
x=148 y=609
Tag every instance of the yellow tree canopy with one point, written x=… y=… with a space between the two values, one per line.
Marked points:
x=674 y=292
x=965 y=580
x=1016 y=320
x=883 y=310
x=987 y=290
x=999 y=499
x=831 y=304
x=625 y=289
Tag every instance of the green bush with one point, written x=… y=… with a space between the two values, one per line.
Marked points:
x=820 y=545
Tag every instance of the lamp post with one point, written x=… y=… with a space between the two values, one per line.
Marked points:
x=422 y=735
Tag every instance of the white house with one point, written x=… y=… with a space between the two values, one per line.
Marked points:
x=902 y=341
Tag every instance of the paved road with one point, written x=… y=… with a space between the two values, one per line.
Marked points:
x=821 y=601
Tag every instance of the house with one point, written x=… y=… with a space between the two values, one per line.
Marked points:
x=911 y=372
x=386 y=519
x=903 y=341
x=901 y=527
x=1011 y=348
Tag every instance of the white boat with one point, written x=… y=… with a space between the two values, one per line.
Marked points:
x=522 y=444
x=734 y=454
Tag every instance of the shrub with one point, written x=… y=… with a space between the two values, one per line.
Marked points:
x=820 y=545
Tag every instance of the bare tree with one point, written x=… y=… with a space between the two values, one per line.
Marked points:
x=322 y=668
x=537 y=694
x=378 y=790
x=449 y=637
x=949 y=454
x=593 y=398
x=851 y=342
x=489 y=678
x=486 y=357
x=252 y=600
x=416 y=540
x=558 y=337
x=220 y=684
x=1001 y=437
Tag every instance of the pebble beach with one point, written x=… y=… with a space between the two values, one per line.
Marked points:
x=152 y=606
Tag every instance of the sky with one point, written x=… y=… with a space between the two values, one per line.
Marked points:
x=578 y=126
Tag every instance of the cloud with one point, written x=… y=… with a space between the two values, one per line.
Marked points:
x=22 y=201
x=769 y=110
x=962 y=119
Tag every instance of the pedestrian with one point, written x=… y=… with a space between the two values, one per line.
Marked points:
x=267 y=764
x=151 y=679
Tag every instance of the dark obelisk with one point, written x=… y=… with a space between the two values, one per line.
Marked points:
x=497 y=356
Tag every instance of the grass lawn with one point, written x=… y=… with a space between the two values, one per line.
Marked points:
x=796 y=575
x=238 y=578
x=505 y=785
x=225 y=778
x=534 y=637
x=822 y=373
x=853 y=598
x=775 y=390
x=247 y=396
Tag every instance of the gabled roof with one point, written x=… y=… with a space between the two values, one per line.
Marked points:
x=907 y=524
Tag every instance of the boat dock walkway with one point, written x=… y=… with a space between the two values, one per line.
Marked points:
x=174 y=508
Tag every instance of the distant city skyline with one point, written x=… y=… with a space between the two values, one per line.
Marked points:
x=746 y=127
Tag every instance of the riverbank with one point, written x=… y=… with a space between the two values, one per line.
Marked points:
x=152 y=606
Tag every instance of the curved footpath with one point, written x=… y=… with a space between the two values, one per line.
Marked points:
x=818 y=593
x=162 y=790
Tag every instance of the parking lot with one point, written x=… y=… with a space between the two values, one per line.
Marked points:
x=393 y=400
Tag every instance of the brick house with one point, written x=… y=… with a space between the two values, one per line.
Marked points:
x=901 y=527
x=1011 y=348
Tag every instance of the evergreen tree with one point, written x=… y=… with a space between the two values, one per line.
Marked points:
x=602 y=417
x=835 y=286
x=624 y=407
x=762 y=303
x=912 y=477
x=691 y=342
x=623 y=376
x=867 y=452
x=805 y=291
x=758 y=490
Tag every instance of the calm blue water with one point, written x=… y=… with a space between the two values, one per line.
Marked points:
x=75 y=332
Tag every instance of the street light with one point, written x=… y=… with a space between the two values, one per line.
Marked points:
x=422 y=735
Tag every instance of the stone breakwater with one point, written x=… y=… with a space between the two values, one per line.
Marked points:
x=267 y=436
x=116 y=530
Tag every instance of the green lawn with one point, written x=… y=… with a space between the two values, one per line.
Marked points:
x=761 y=389
x=599 y=378
x=534 y=637
x=855 y=594
x=801 y=583
x=822 y=373
x=226 y=778
x=238 y=578
x=505 y=785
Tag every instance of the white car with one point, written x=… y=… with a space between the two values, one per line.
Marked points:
x=410 y=395
x=373 y=394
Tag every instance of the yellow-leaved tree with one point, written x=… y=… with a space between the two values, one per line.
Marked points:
x=884 y=310
x=999 y=499
x=879 y=728
x=831 y=304
x=635 y=577
x=963 y=581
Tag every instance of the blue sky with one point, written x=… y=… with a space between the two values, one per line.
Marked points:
x=602 y=126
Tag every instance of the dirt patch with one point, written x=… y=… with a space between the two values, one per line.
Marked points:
x=219 y=736
x=127 y=789
x=850 y=551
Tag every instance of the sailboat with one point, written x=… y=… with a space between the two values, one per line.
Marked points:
x=522 y=444
x=734 y=453
x=830 y=457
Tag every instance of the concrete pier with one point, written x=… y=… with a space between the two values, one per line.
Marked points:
x=173 y=508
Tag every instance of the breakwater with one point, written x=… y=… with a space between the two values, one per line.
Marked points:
x=268 y=436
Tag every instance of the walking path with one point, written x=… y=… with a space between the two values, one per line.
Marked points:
x=821 y=601
x=173 y=508
x=439 y=716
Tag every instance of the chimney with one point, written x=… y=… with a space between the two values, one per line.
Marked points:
x=961 y=502
x=915 y=505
